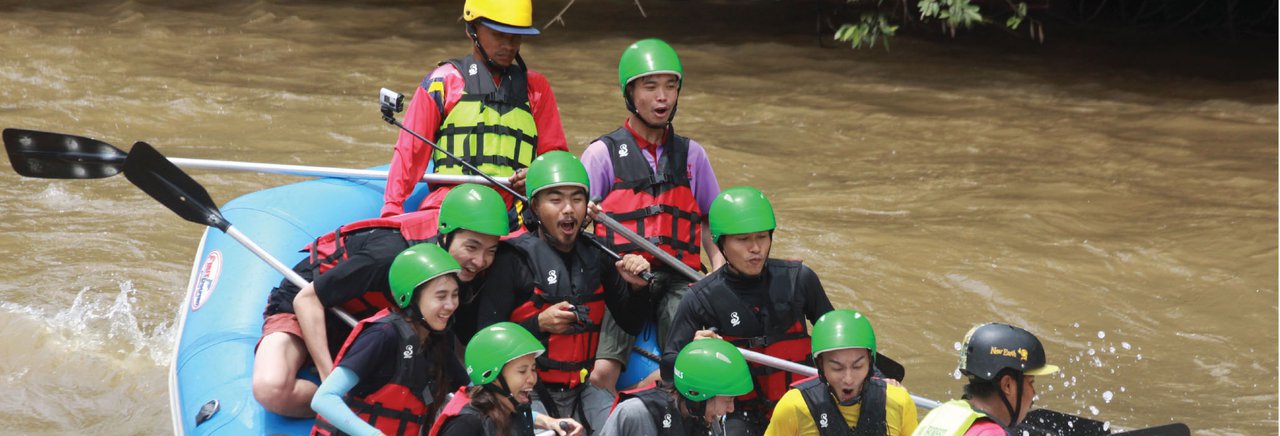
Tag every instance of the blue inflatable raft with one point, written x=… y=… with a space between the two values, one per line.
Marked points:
x=220 y=319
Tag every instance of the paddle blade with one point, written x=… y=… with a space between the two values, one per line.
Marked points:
x=1175 y=429
x=890 y=368
x=49 y=155
x=1045 y=421
x=150 y=171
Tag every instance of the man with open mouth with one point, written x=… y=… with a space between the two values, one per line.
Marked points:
x=558 y=285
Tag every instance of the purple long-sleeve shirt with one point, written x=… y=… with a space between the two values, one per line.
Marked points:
x=702 y=180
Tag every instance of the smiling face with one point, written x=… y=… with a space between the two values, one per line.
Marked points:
x=718 y=406
x=747 y=252
x=561 y=210
x=473 y=251
x=845 y=371
x=501 y=47
x=521 y=374
x=655 y=97
x=437 y=299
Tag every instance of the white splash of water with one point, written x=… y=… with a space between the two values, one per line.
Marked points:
x=1101 y=334
x=1107 y=396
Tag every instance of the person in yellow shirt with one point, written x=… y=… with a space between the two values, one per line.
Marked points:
x=845 y=398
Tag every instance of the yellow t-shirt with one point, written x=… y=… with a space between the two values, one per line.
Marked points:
x=791 y=415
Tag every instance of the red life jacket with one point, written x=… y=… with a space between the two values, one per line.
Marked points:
x=331 y=248
x=460 y=405
x=778 y=330
x=397 y=408
x=657 y=205
x=567 y=354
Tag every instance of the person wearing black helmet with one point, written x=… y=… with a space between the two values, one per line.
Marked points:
x=1001 y=362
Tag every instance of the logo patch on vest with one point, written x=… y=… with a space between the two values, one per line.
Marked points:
x=733 y=319
x=666 y=421
x=822 y=421
x=622 y=150
x=408 y=351
x=551 y=277
x=471 y=71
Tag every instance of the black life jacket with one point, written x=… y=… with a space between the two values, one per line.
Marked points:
x=778 y=330
x=827 y=416
x=664 y=411
x=567 y=354
x=400 y=406
x=657 y=205
x=330 y=249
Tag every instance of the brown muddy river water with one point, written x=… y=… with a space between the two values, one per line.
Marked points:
x=1126 y=215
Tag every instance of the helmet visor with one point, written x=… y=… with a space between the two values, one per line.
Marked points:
x=1044 y=370
x=508 y=29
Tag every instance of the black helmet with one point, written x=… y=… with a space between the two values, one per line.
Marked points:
x=993 y=347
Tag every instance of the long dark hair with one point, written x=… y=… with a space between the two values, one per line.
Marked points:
x=436 y=345
x=491 y=404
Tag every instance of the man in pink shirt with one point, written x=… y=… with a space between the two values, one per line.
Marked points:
x=1001 y=362
x=655 y=182
x=487 y=108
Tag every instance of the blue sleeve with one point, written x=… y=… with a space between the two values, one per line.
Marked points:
x=328 y=403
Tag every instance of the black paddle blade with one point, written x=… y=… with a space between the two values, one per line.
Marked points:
x=1175 y=429
x=150 y=171
x=890 y=368
x=1049 y=422
x=49 y=155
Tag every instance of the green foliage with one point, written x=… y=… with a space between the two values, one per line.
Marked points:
x=871 y=27
x=880 y=19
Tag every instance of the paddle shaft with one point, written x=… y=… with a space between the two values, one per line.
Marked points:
x=312 y=171
x=289 y=273
x=390 y=118
x=767 y=360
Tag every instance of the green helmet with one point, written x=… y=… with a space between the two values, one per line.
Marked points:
x=493 y=346
x=646 y=57
x=710 y=367
x=842 y=329
x=552 y=169
x=738 y=210
x=473 y=207
x=417 y=265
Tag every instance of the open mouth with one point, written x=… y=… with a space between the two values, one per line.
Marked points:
x=661 y=112
x=523 y=396
x=568 y=226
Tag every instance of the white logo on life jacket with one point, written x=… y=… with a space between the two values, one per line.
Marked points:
x=472 y=71
x=733 y=319
x=666 y=421
x=551 y=277
x=622 y=150
x=408 y=351
x=822 y=422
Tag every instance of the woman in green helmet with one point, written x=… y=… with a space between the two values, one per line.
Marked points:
x=396 y=367
x=348 y=269
x=500 y=362
x=845 y=398
x=754 y=302
x=709 y=373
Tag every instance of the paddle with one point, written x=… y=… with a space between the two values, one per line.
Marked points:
x=392 y=102
x=147 y=169
x=50 y=155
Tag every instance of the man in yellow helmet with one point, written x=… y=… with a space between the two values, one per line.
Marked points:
x=488 y=108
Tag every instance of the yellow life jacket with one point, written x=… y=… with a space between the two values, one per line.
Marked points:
x=952 y=418
x=491 y=127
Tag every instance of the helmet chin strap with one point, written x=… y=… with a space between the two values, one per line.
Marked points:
x=475 y=41
x=1014 y=411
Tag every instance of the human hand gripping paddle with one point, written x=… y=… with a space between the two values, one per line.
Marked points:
x=160 y=178
x=50 y=155
x=391 y=103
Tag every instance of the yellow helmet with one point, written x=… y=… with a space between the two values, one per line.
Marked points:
x=506 y=16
